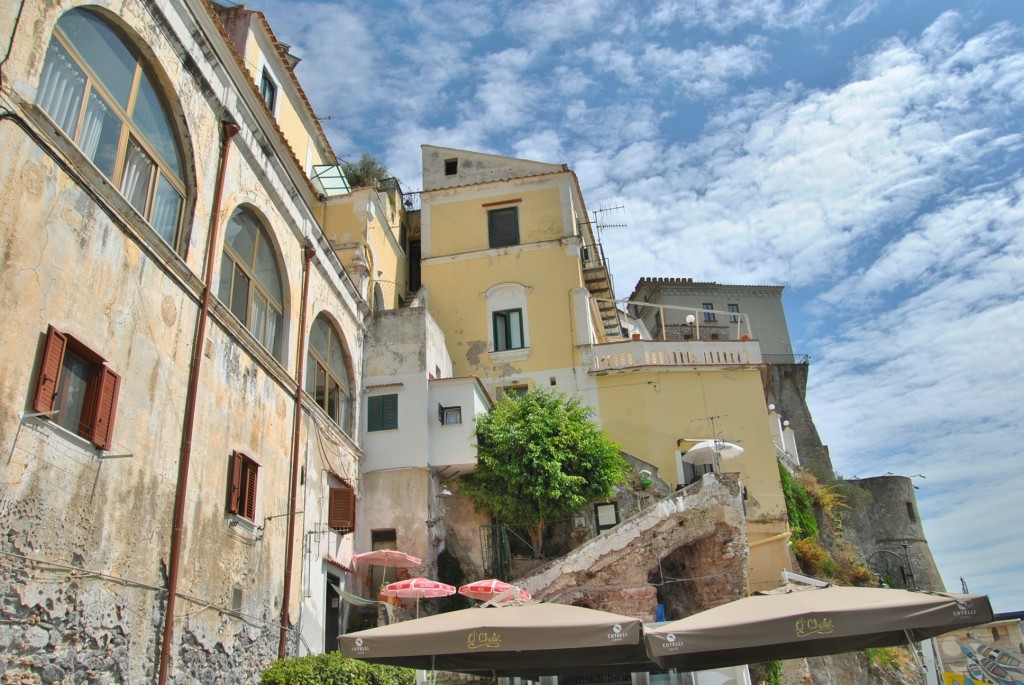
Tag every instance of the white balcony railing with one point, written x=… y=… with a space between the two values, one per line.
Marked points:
x=640 y=353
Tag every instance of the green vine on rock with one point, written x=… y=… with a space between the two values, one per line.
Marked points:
x=799 y=506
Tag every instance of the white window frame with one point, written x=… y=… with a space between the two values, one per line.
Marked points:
x=503 y=297
x=265 y=68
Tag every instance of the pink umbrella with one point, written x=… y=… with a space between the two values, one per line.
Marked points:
x=489 y=589
x=387 y=557
x=417 y=587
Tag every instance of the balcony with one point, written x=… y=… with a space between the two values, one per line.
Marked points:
x=635 y=354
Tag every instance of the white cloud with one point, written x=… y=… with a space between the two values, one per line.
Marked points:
x=723 y=16
x=704 y=71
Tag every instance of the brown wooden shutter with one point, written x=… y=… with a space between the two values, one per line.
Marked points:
x=235 y=483
x=341 y=508
x=102 y=425
x=49 y=371
x=248 y=506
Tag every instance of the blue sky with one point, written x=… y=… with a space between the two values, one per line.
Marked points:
x=866 y=154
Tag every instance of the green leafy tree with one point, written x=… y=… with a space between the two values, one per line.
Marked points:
x=540 y=458
x=365 y=171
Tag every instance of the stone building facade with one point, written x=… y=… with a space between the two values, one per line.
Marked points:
x=162 y=269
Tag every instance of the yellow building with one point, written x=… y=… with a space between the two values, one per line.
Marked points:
x=519 y=285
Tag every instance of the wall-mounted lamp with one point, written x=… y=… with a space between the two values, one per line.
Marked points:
x=690 y=319
x=444 y=500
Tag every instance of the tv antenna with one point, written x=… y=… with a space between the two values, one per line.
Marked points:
x=599 y=219
x=714 y=429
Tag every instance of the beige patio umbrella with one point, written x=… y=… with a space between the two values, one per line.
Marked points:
x=796 y=621
x=511 y=639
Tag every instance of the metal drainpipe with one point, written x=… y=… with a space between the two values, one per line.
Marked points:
x=190 y=409
x=282 y=645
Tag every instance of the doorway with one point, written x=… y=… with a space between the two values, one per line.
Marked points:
x=332 y=613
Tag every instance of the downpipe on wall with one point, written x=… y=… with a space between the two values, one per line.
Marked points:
x=173 y=571
x=293 y=480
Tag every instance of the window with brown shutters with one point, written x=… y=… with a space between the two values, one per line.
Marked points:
x=341 y=509
x=242 y=486
x=76 y=389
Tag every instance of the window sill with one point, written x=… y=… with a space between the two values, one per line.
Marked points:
x=511 y=355
x=244 y=526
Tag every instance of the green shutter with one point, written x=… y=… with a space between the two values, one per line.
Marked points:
x=382 y=413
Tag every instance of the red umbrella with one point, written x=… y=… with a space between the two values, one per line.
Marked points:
x=387 y=557
x=417 y=587
x=489 y=589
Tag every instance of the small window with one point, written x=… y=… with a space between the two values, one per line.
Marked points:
x=516 y=390
x=382 y=413
x=451 y=166
x=449 y=416
x=607 y=516
x=76 y=389
x=341 y=509
x=268 y=90
x=503 y=227
x=242 y=486
x=709 y=314
x=508 y=330
x=910 y=511
x=734 y=313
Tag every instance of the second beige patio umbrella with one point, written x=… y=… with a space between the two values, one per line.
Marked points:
x=798 y=621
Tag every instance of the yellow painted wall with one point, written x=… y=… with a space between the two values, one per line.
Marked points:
x=460 y=269
x=299 y=138
x=648 y=411
x=458 y=304
x=460 y=227
x=352 y=229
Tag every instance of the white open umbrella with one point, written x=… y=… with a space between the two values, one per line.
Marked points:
x=711 y=452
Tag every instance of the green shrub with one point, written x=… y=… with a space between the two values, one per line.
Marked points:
x=814 y=559
x=773 y=673
x=334 y=669
x=799 y=506
x=887 y=657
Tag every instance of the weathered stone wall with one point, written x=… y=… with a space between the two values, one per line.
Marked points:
x=789 y=395
x=880 y=532
x=689 y=550
x=84 y=558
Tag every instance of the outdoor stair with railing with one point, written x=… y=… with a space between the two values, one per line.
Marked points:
x=619 y=559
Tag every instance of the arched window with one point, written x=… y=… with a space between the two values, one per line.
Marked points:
x=509 y=320
x=250 y=283
x=96 y=88
x=326 y=373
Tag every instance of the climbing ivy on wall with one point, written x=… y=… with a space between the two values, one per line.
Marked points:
x=799 y=506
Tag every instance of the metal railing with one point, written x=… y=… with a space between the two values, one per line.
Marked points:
x=689 y=323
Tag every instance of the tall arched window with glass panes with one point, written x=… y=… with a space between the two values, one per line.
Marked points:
x=100 y=92
x=250 y=281
x=327 y=381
